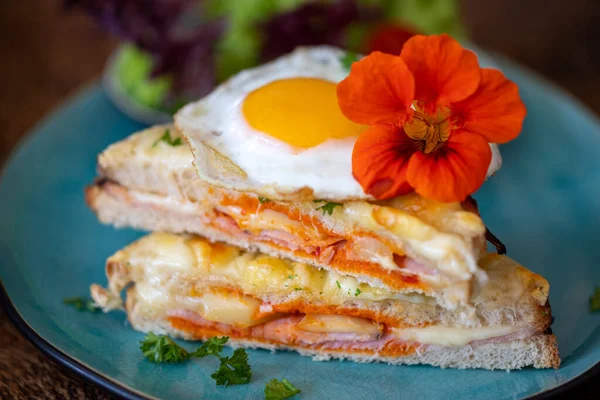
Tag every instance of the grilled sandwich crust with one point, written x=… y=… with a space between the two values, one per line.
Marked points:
x=538 y=351
x=161 y=190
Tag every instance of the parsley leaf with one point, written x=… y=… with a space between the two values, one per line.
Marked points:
x=276 y=390
x=159 y=349
x=328 y=207
x=338 y=284
x=166 y=137
x=262 y=200
x=348 y=59
x=595 y=300
x=292 y=276
x=358 y=291
x=212 y=346
x=233 y=370
x=82 y=304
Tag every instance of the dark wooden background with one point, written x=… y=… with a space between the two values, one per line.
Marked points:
x=47 y=54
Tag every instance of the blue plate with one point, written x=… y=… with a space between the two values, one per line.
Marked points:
x=544 y=204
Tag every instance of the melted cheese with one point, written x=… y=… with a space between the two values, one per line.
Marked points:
x=163 y=251
x=229 y=308
x=147 y=148
x=438 y=234
x=270 y=219
x=451 y=336
x=165 y=265
x=154 y=259
x=501 y=285
x=330 y=323
x=259 y=274
x=373 y=250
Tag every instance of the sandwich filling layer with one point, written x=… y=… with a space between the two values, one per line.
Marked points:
x=294 y=330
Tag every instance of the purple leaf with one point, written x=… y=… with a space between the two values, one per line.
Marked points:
x=312 y=24
x=190 y=59
x=183 y=49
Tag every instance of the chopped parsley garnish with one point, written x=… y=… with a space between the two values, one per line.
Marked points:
x=328 y=207
x=162 y=349
x=213 y=346
x=595 y=300
x=166 y=137
x=348 y=59
x=278 y=390
x=338 y=284
x=262 y=200
x=545 y=313
x=233 y=370
x=82 y=304
x=298 y=289
x=292 y=276
x=358 y=291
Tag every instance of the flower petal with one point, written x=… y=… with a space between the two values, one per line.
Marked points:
x=452 y=172
x=379 y=161
x=379 y=90
x=444 y=71
x=494 y=111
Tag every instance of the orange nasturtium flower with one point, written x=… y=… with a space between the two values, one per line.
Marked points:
x=432 y=113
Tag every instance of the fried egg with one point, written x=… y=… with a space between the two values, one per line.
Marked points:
x=277 y=131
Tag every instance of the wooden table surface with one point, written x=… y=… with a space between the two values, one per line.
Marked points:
x=47 y=54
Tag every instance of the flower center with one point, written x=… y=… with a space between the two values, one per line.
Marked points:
x=429 y=131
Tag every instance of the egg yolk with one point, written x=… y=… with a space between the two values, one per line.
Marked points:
x=302 y=112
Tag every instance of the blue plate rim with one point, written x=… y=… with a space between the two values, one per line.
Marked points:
x=48 y=349
x=122 y=391
x=125 y=392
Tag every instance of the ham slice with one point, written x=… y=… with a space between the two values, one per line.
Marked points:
x=282 y=330
x=327 y=254
x=196 y=319
x=418 y=268
x=285 y=239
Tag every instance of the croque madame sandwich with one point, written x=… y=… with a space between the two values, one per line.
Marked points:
x=329 y=212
